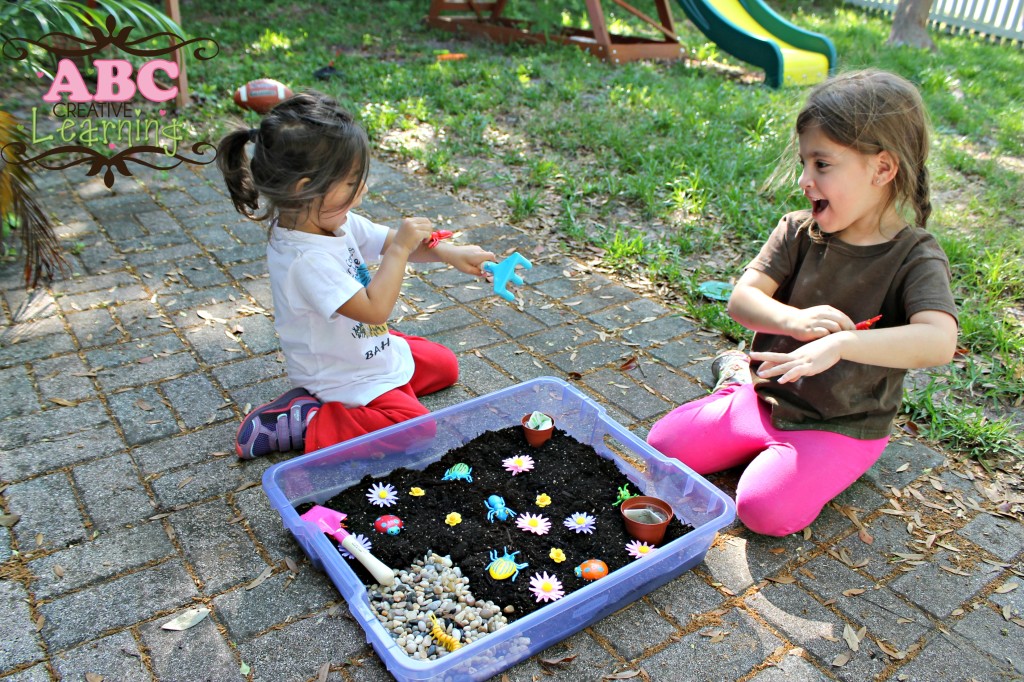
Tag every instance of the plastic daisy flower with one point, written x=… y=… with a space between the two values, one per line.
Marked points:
x=518 y=464
x=362 y=540
x=556 y=555
x=546 y=587
x=533 y=523
x=453 y=519
x=639 y=550
x=416 y=492
x=382 y=495
x=543 y=500
x=581 y=522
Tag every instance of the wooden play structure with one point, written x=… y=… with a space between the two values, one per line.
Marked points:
x=485 y=18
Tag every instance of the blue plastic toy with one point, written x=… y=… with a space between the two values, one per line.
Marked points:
x=505 y=272
x=496 y=507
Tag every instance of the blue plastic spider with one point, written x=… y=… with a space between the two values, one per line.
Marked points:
x=496 y=507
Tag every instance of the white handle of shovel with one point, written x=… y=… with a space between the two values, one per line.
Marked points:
x=384 y=575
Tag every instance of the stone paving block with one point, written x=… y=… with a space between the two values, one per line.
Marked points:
x=25 y=306
x=628 y=314
x=64 y=378
x=1001 y=536
x=158 y=221
x=206 y=479
x=691 y=355
x=17 y=395
x=249 y=397
x=116 y=604
x=170 y=254
x=115 y=206
x=116 y=657
x=21 y=644
x=141 y=319
x=510 y=319
x=468 y=338
x=634 y=629
x=1014 y=599
x=686 y=598
x=479 y=377
x=790 y=669
x=26 y=349
x=807 y=623
x=190 y=301
x=147 y=369
x=599 y=293
x=259 y=289
x=161 y=242
x=97 y=255
x=247 y=232
x=95 y=328
x=37 y=673
x=248 y=370
x=112 y=493
x=940 y=592
x=110 y=282
x=658 y=331
x=448 y=319
x=552 y=315
x=5 y=544
x=557 y=286
x=584 y=358
x=28 y=328
x=729 y=561
x=276 y=600
x=54 y=452
x=417 y=295
x=890 y=535
x=213 y=346
x=949 y=657
x=561 y=337
x=198 y=654
x=696 y=659
x=196 y=400
x=142 y=414
x=310 y=643
x=191 y=448
x=213 y=237
x=220 y=553
x=633 y=399
x=48 y=513
x=446 y=398
x=140 y=352
x=896 y=454
x=241 y=253
x=89 y=563
x=265 y=524
x=515 y=360
x=676 y=388
x=259 y=335
x=764 y=558
x=988 y=631
x=877 y=608
x=582 y=660
x=122 y=229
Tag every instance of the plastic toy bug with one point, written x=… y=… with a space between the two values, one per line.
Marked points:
x=867 y=324
x=449 y=642
x=505 y=272
x=592 y=569
x=496 y=507
x=624 y=495
x=504 y=566
x=459 y=471
x=389 y=523
x=437 y=235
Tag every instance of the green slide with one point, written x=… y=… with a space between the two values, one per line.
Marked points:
x=751 y=31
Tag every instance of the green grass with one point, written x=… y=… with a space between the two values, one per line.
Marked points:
x=660 y=163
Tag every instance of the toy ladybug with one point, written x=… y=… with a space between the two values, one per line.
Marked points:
x=389 y=523
x=592 y=569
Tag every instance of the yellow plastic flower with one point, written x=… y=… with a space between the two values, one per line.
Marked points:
x=557 y=555
x=453 y=519
x=543 y=500
x=416 y=492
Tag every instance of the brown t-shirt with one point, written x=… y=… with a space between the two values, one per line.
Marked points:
x=897 y=279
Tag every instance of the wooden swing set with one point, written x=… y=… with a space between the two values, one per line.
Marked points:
x=485 y=18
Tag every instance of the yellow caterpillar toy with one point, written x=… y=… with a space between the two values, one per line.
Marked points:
x=443 y=638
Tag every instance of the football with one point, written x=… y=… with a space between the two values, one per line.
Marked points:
x=261 y=95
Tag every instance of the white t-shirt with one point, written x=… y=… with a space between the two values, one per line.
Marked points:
x=335 y=358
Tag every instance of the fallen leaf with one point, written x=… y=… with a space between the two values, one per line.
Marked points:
x=891 y=652
x=904 y=620
x=58 y=570
x=807 y=533
x=244 y=668
x=778 y=550
x=185 y=481
x=93 y=677
x=143 y=405
x=903 y=467
x=62 y=402
x=290 y=563
x=260 y=578
x=853 y=592
x=624 y=675
x=841 y=660
x=325 y=670
x=628 y=364
x=40 y=622
x=783 y=579
x=557 y=661
x=954 y=571
x=8 y=520
x=850 y=635
x=1007 y=587
x=187 y=619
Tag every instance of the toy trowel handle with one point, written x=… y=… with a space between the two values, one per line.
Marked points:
x=384 y=575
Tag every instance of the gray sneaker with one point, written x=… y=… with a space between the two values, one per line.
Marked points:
x=730 y=367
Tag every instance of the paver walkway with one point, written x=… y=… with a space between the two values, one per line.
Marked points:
x=121 y=388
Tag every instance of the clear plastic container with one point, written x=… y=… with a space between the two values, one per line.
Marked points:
x=415 y=444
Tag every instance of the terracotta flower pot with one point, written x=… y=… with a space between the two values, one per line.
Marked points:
x=537 y=437
x=646 y=518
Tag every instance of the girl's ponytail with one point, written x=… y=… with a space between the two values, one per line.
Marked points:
x=233 y=162
x=922 y=201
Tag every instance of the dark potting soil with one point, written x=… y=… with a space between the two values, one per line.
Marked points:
x=571 y=473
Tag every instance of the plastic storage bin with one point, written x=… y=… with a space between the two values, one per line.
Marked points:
x=417 y=443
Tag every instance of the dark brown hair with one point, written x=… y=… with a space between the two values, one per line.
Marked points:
x=306 y=136
x=872 y=111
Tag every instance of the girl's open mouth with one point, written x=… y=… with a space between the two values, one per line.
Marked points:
x=818 y=205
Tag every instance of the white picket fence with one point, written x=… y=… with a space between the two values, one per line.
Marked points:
x=996 y=18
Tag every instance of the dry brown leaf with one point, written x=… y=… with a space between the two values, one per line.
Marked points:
x=8 y=520
x=93 y=677
x=891 y=652
x=902 y=620
x=850 y=635
x=954 y=571
x=260 y=578
x=62 y=402
x=187 y=619
x=143 y=405
x=783 y=579
x=778 y=550
x=40 y=622
x=903 y=467
x=58 y=570
x=807 y=533
x=1006 y=612
x=325 y=670
x=807 y=573
x=628 y=364
x=865 y=536
x=841 y=660
x=853 y=592
x=624 y=675
x=557 y=661
x=39 y=539
x=1007 y=587
x=290 y=563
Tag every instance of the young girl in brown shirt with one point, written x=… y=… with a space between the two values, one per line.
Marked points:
x=818 y=411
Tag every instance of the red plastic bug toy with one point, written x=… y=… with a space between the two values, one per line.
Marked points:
x=867 y=324
x=437 y=235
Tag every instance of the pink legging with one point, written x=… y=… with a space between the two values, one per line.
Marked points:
x=790 y=475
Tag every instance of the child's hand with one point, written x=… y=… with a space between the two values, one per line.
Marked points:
x=412 y=232
x=821 y=320
x=466 y=258
x=808 y=360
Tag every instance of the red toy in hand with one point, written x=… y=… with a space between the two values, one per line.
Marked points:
x=867 y=324
x=437 y=235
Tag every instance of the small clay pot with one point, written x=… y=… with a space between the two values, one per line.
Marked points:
x=646 y=518
x=537 y=437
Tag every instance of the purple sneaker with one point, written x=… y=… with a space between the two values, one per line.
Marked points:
x=278 y=426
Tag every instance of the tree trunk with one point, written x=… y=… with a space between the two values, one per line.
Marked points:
x=909 y=24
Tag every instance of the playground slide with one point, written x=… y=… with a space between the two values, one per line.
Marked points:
x=751 y=31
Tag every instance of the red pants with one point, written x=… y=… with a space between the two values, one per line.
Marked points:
x=435 y=367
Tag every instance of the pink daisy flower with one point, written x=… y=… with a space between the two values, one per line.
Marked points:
x=546 y=587
x=533 y=523
x=639 y=550
x=518 y=464
x=581 y=522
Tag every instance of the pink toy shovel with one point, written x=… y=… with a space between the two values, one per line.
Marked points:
x=329 y=521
